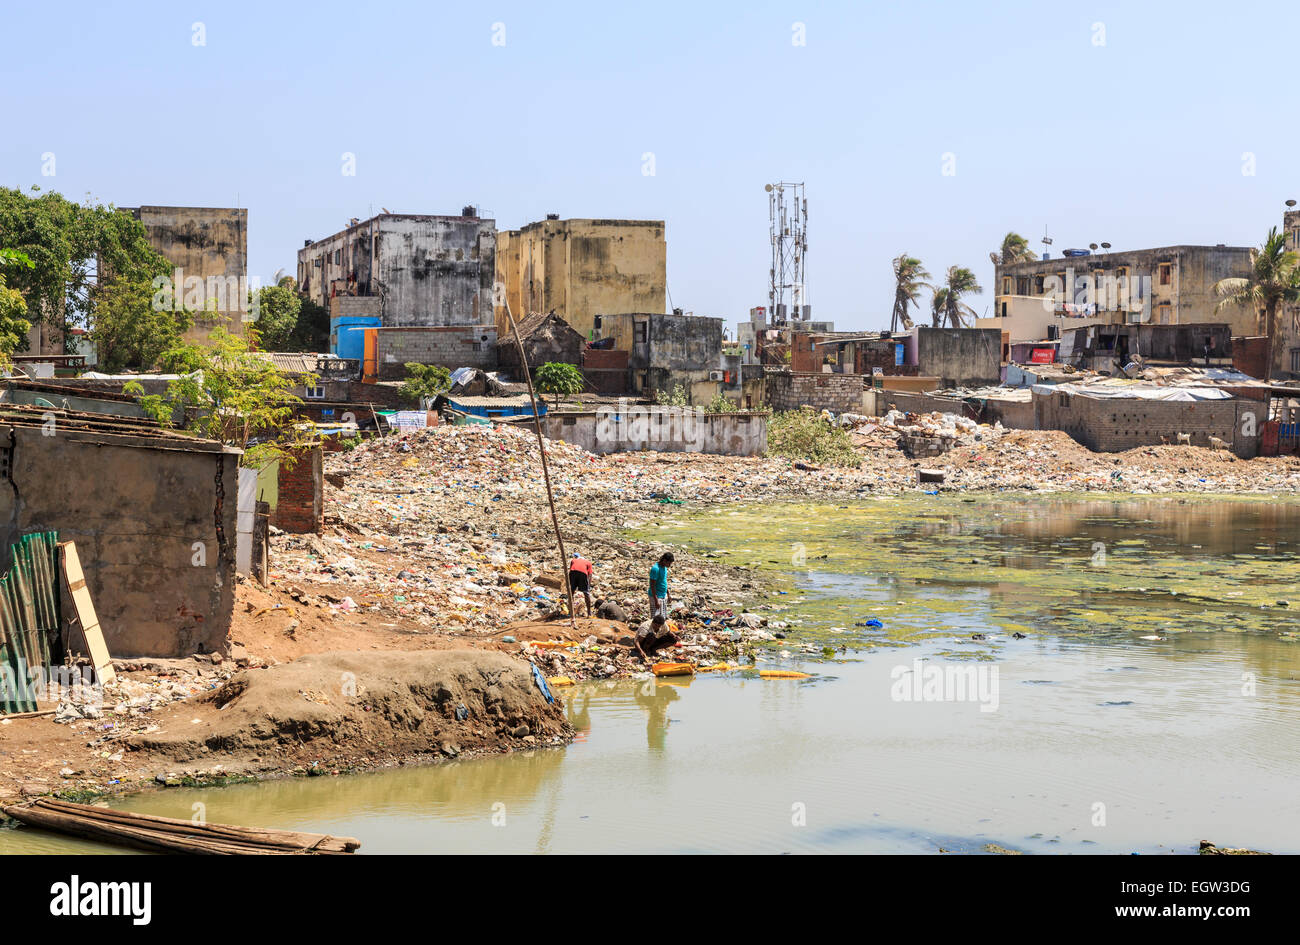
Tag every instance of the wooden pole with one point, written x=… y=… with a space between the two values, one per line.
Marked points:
x=546 y=473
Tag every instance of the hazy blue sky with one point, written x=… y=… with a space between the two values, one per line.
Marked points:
x=1139 y=141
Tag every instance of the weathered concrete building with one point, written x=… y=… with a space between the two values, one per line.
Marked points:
x=959 y=357
x=667 y=350
x=425 y=270
x=1171 y=285
x=209 y=248
x=581 y=269
x=153 y=515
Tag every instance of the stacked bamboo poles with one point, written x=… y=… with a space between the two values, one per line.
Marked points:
x=168 y=835
x=30 y=618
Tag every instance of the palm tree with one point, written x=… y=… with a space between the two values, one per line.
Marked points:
x=960 y=281
x=909 y=277
x=1015 y=249
x=1274 y=280
x=938 y=305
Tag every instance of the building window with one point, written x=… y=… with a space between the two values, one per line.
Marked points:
x=338 y=256
x=1022 y=285
x=314 y=393
x=1040 y=285
x=1295 y=360
x=640 y=331
x=1164 y=313
x=1006 y=285
x=1166 y=273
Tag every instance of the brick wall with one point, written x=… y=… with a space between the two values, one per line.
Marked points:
x=1109 y=425
x=838 y=393
x=1249 y=355
x=606 y=371
x=300 y=507
x=452 y=347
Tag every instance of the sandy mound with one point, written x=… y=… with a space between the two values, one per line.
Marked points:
x=346 y=709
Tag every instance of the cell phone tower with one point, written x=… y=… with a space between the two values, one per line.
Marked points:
x=787 y=296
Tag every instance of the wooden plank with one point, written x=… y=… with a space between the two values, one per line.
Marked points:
x=224 y=832
x=167 y=834
x=92 y=637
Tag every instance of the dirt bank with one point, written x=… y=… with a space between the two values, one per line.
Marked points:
x=319 y=714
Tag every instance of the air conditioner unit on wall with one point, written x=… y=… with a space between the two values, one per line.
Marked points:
x=716 y=375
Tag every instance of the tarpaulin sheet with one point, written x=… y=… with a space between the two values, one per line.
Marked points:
x=1119 y=392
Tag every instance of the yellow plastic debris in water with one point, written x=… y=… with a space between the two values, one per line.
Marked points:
x=560 y=681
x=715 y=668
x=783 y=674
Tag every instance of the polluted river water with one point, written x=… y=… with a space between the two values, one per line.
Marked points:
x=1049 y=674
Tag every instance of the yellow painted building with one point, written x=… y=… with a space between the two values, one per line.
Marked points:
x=580 y=269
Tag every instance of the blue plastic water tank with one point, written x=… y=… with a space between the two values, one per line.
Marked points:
x=347 y=340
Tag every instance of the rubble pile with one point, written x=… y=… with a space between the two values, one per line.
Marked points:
x=447 y=530
x=710 y=640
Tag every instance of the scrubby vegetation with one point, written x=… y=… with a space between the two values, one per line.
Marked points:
x=804 y=435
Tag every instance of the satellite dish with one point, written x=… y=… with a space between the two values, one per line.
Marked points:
x=907 y=322
x=1092 y=246
x=1105 y=246
x=279 y=274
x=768 y=188
x=1290 y=203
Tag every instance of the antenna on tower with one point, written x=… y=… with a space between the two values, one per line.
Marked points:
x=787 y=294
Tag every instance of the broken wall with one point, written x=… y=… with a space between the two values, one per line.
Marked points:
x=154 y=522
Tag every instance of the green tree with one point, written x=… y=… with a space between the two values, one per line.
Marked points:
x=129 y=330
x=313 y=331
x=14 y=325
x=960 y=281
x=1274 y=280
x=554 y=377
x=78 y=252
x=677 y=397
x=240 y=399
x=425 y=380
x=1015 y=249
x=909 y=278
x=938 y=305
x=278 y=308
x=721 y=404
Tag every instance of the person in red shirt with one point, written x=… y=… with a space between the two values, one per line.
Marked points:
x=580 y=578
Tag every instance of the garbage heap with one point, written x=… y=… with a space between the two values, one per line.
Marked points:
x=924 y=435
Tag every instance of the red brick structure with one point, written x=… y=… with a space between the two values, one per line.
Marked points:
x=300 y=507
x=1249 y=355
x=606 y=370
